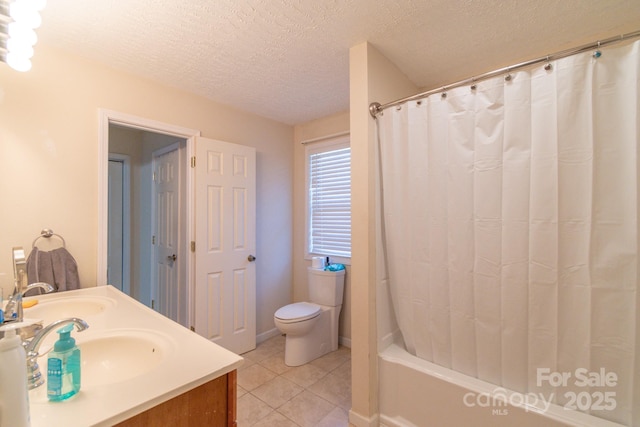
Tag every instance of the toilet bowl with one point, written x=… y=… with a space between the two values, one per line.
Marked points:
x=297 y=319
x=311 y=328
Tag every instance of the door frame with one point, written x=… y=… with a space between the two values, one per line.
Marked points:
x=126 y=216
x=107 y=117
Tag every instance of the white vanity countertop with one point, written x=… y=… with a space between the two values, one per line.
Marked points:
x=188 y=361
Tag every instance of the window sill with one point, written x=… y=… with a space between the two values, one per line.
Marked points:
x=332 y=259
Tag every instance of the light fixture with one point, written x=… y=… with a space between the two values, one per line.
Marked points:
x=25 y=12
x=18 y=21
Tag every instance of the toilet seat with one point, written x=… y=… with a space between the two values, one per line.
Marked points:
x=297 y=312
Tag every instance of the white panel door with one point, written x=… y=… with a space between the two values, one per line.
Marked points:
x=115 y=237
x=225 y=282
x=169 y=298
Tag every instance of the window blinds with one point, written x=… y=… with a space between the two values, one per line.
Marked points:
x=330 y=202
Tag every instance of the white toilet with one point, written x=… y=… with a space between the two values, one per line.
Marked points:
x=312 y=327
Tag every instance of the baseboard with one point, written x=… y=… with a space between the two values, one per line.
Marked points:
x=388 y=422
x=391 y=338
x=358 y=420
x=346 y=342
x=266 y=335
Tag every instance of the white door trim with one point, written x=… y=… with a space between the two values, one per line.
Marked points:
x=126 y=218
x=106 y=117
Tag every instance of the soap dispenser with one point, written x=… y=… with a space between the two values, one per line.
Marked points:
x=14 y=396
x=63 y=367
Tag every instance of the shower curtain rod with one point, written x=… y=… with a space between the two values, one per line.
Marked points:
x=375 y=107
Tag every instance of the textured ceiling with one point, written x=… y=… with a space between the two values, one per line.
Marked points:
x=288 y=60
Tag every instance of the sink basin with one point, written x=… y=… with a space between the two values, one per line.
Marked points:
x=121 y=355
x=63 y=307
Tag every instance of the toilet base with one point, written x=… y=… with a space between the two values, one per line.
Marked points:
x=297 y=351
x=322 y=339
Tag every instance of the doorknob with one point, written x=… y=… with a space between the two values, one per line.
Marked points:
x=172 y=257
x=251 y=258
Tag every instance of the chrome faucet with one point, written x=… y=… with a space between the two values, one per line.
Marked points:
x=34 y=377
x=13 y=310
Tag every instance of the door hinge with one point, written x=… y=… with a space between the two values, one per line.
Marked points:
x=153 y=240
x=193 y=246
x=193 y=161
x=153 y=177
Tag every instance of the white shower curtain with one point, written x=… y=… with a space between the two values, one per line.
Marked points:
x=511 y=228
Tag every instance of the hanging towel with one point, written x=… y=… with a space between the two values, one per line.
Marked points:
x=56 y=267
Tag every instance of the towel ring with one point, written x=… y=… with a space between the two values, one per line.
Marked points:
x=47 y=233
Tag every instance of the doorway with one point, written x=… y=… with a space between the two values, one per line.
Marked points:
x=220 y=288
x=137 y=138
x=147 y=284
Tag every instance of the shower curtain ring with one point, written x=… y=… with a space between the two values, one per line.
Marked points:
x=597 y=54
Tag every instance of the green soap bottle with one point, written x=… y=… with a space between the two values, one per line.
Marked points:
x=63 y=367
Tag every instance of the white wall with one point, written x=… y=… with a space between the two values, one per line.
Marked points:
x=372 y=78
x=49 y=161
x=319 y=128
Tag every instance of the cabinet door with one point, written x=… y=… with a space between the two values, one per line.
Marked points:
x=212 y=404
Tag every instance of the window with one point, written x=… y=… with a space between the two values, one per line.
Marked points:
x=328 y=187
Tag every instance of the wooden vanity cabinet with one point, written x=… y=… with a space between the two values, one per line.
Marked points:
x=212 y=404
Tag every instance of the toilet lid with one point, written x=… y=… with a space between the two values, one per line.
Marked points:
x=298 y=312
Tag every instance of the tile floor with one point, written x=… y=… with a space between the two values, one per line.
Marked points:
x=271 y=393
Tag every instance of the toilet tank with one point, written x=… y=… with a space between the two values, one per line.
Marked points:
x=326 y=287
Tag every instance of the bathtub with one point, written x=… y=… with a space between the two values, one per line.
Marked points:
x=414 y=392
